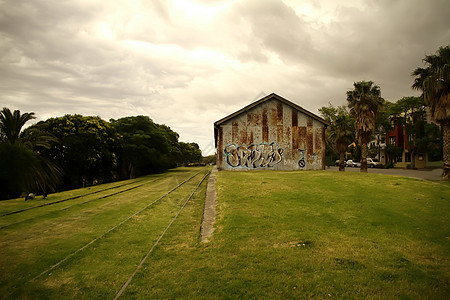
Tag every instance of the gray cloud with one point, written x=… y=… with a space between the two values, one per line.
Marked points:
x=276 y=27
x=189 y=66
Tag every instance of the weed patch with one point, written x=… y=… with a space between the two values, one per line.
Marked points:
x=348 y=263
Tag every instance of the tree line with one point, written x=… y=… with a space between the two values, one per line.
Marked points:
x=368 y=114
x=75 y=151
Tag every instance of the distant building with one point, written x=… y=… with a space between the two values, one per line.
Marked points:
x=378 y=145
x=398 y=137
x=270 y=133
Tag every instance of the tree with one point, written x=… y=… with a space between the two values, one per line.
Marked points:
x=340 y=132
x=364 y=102
x=331 y=153
x=430 y=140
x=190 y=152
x=210 y=159
x=412 y=114
x=434 y=82
x=87 y=149
x=146 y=146
x=392 y=152
x=47 y=175
x=16 y=168
x=11 y=124
x=383 y=126
x=24 y=167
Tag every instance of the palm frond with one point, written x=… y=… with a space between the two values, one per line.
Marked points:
x=364 y=101
x=434 y=82
x=11 y=124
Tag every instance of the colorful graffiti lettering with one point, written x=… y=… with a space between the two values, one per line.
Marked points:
x=254 y=156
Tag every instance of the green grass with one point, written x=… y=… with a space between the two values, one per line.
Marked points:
x=278 y=235
x=34 y=243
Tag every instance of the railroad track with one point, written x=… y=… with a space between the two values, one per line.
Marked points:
x=77 y=204
x=106 y=233
x=63 y=200
x=64 y=208
x=141 y=263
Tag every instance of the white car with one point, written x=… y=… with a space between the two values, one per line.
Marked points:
x=353 y=164
x=373 y=163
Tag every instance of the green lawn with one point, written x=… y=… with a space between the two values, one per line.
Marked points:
x=278 y=235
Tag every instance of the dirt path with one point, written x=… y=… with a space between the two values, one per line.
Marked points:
x=209 y=211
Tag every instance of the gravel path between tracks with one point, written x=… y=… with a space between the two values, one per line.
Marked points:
x=209 y=210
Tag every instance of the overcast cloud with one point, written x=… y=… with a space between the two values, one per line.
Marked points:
x=187 y=64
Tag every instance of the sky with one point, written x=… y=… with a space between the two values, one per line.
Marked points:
x=187 y=64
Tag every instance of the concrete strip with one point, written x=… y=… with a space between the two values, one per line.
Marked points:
x=428 y=174
x=209 y=210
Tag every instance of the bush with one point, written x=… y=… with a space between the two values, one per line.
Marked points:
x=389 y=165
x=16 y=172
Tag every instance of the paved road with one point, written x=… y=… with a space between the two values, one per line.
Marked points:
x=429 y=174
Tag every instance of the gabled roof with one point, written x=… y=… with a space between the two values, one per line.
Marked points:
x=267 y=98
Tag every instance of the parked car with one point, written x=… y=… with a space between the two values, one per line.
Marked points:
x=336 y=163
x=353 y=164
x=373 y=163
x=356 y=164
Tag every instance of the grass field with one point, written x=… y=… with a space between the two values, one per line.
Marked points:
x=278 y=235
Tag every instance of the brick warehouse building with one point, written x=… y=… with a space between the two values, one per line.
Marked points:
x=270 y=133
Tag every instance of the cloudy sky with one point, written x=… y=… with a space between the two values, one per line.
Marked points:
x=188 y=63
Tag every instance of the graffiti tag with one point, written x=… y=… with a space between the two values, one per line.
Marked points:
x=253 y=156
x=301 y=162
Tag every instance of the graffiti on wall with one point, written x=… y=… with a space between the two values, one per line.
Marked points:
x=301 y=162
x=253 y=156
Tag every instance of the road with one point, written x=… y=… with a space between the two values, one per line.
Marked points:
x=428 y=174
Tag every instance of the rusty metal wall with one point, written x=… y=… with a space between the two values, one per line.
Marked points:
x=272 y=135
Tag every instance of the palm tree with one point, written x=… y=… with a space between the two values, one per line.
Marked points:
x=434 y=82
x=11 y=124
x=46 y=175
x=364 y=102
x=38 y=172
